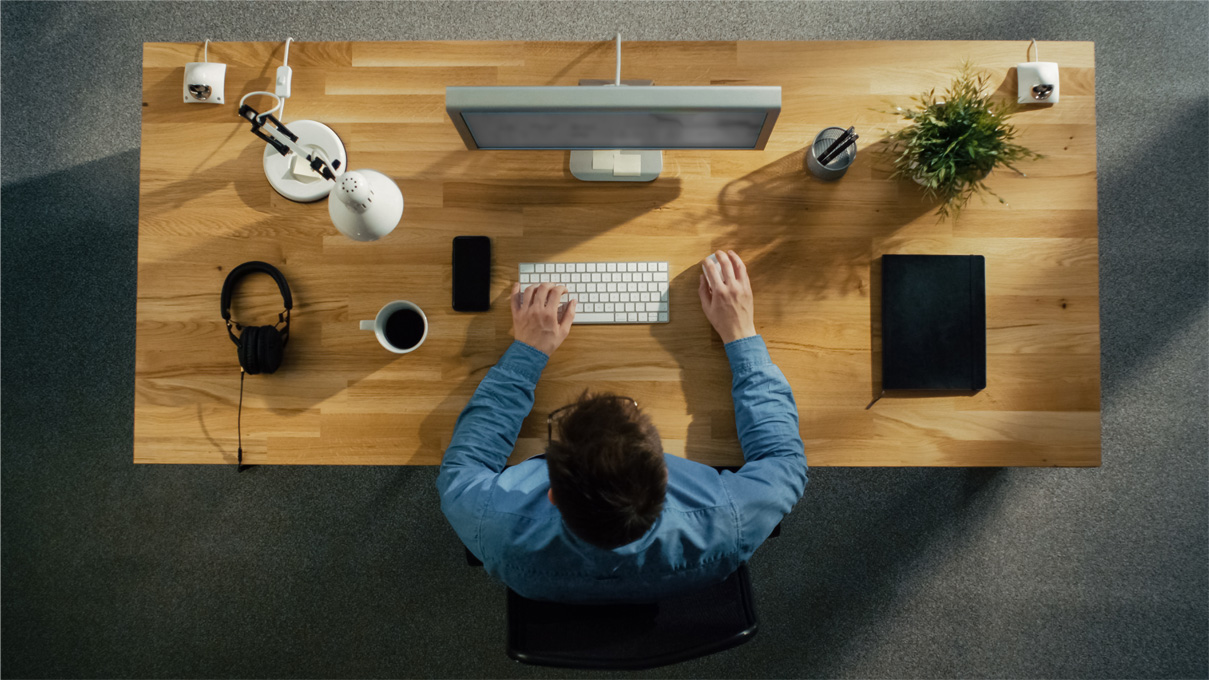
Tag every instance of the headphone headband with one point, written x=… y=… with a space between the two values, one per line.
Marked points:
x=243 y=270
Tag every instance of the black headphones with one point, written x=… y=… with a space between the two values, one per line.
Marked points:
x=261 y=348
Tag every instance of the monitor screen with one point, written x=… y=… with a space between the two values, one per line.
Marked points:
x=614 y=117
x=615 y=130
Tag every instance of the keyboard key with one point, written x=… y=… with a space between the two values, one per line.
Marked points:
x=593 y=317
x=641 y=266
x=579 y=267
x=661 y=276
x=612 y=267
x=663 y=268
x=527 y=268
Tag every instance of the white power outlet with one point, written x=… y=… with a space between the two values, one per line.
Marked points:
x=1037 y=82
x=205 y=82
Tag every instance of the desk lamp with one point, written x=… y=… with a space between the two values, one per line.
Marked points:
x=365 y=205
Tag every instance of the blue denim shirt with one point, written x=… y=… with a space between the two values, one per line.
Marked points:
x=710 y=524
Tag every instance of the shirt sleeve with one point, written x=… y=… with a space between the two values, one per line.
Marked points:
x=773 y=476
x=484 y=437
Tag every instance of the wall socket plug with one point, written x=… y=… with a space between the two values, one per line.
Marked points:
x=205 y=82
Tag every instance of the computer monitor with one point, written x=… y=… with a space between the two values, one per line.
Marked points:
x=614 y=132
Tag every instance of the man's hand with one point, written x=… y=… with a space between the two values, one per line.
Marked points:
x=535 y=316
x=726 y=297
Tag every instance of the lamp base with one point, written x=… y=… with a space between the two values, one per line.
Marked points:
x=291 y=176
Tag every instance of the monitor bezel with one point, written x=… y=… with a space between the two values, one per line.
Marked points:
x=612 y=99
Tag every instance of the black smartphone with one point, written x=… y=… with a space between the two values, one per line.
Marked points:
x=471 y=274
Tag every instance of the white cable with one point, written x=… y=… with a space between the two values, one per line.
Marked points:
x=618 y=78
x=284 y=62
x=1036 y=50
x=270 y=94
x=207 y=54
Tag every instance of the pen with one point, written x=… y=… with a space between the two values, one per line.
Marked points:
x=847 y=143
x=838 y=140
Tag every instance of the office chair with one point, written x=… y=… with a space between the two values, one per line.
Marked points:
x=633 y=636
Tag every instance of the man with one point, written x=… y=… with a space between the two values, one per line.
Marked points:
x=606 y=516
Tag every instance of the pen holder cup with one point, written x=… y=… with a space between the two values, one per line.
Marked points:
x=838 y=165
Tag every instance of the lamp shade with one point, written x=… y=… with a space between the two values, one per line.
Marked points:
x=365 y=205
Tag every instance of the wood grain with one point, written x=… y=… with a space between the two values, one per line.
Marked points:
x=811 y=247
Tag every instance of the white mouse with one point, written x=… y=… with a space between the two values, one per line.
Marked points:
x=713 y=258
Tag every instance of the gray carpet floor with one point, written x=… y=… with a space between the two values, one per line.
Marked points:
x=113 y=570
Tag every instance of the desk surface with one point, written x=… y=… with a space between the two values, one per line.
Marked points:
x=205 y=206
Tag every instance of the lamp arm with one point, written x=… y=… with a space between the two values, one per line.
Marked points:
x=280 y=138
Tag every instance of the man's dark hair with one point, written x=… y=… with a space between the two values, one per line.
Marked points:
x=607 y=471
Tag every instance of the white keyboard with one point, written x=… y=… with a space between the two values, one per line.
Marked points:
x=606 y=292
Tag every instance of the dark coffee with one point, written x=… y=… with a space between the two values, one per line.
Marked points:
x=404 y=328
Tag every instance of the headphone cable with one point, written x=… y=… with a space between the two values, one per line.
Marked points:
x=239 y=422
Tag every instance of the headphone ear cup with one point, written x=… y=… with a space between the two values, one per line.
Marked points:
x=270 y=352
x=249 y=340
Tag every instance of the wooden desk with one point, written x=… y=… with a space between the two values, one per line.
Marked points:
x=205 y=207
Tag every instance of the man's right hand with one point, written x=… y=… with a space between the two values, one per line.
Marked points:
x=726 y=297
x=535 y=316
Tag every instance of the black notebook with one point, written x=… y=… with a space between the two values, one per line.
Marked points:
x=934 y=322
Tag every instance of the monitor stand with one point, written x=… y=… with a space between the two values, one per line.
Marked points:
x=616 y=165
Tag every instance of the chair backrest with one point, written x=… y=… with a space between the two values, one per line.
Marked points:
x=633 y=636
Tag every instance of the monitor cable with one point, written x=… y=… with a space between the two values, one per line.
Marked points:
x=617 y=78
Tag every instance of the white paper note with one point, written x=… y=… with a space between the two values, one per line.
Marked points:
x=627 y=165
x=603 y=159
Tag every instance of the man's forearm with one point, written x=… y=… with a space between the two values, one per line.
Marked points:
x=487 y=428
x=766 y=415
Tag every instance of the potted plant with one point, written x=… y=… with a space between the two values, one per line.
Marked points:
x=953 y=143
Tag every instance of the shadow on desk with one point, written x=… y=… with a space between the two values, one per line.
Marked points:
x=243 y=173
x=711 y=437
x=805 y=240
x=485 y=343
x=802 y=237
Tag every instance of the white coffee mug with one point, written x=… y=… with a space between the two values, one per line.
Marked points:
x=378 y=325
